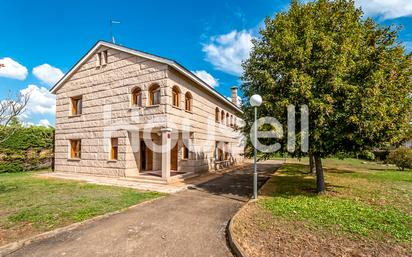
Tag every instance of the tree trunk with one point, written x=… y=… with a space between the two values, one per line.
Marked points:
x=320 y=180
x=312 y=164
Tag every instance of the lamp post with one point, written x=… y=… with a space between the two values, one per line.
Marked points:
x=255 y=101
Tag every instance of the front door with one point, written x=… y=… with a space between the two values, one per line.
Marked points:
x=173 y=158
x=146 y=157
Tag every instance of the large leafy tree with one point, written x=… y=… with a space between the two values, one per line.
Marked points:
x=352 y=73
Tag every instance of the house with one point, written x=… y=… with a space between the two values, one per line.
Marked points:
x=126 y=113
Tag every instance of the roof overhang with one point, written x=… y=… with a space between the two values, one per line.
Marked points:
x=152 y=57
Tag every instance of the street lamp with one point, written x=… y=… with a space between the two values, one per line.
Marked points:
x=255 y=101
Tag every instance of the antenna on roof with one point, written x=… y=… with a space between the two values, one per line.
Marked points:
x=111 y=29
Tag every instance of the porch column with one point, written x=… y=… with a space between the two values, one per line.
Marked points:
x=166 y=152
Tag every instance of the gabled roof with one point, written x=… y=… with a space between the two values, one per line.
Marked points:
x=152 y=57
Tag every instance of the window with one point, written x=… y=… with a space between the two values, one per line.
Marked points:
x=101 y=58
x=188 y=102
x=175 y=96
x=185 y=152
x=227 y=119
x=231 y=120
x=217 y=115
x=76 y=104
x=114 y=150
x=226 y=148
x=75 y=149
x=222 y=117
x=154 y=95
x=137 y=97
x=218 y=151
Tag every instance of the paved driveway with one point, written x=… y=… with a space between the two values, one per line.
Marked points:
x=188 y=223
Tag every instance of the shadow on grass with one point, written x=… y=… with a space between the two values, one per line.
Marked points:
x=4 y=188
x=294 y=179
x=337 y=171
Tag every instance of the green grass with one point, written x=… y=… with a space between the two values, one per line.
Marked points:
x=362 y=200
x=29 y=204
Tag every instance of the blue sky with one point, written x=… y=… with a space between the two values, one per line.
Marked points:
x=41 y=40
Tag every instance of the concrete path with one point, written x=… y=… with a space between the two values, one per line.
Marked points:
x=143 y=186
x=188 y=223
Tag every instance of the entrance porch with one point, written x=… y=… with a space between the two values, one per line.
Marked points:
x=158 y=155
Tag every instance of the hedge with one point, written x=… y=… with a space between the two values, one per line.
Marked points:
x=26 y=149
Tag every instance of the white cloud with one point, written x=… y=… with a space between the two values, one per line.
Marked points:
x=11 y=69
x=44 y=123
x=207 y=77
x=226 y=52
x=386 y=9
x=47 y=73
x=41 y=100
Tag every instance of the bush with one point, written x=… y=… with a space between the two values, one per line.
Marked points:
x=11 y=167
x=367 y=155
x=28 y=148
x=401 y=157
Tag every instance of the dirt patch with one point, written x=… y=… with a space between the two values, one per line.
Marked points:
x=261 y=234
x=18 y=232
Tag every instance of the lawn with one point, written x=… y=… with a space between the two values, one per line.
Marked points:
x=30 y=205
x=367 y=209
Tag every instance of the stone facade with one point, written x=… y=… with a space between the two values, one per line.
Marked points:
x=107 y=113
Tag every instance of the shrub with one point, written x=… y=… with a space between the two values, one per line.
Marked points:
x=28 y=148
x=367 y=155
x=401 y=157
x=11 y=167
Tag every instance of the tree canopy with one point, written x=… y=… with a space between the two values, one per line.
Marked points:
x=352 y=73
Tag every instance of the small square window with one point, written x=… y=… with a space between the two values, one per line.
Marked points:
x=76 y=105
x=218 y=151
x=102 y=58
x=75 y=148
x=114 y=151
x=137 y=97
x=154 y=95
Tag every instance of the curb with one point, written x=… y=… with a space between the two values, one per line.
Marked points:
x=233 y=244
x=15 y=246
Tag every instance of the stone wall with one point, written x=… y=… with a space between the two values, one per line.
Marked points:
x=105 y=92
x=202 y=123
x=107 y=111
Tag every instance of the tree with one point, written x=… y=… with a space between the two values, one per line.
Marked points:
x=352 y=73
x=10 y=109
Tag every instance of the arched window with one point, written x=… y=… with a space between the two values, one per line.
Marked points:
x=176 y=96
x=154 y=95
x=188 y=102
x=137 y=97
x=217 y=115
x=227 y=119
x=231 y=120
x=222 y=117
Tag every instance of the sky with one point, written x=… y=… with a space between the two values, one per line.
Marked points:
x=41 y=40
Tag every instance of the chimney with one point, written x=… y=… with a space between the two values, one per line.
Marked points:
x=234 y=95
